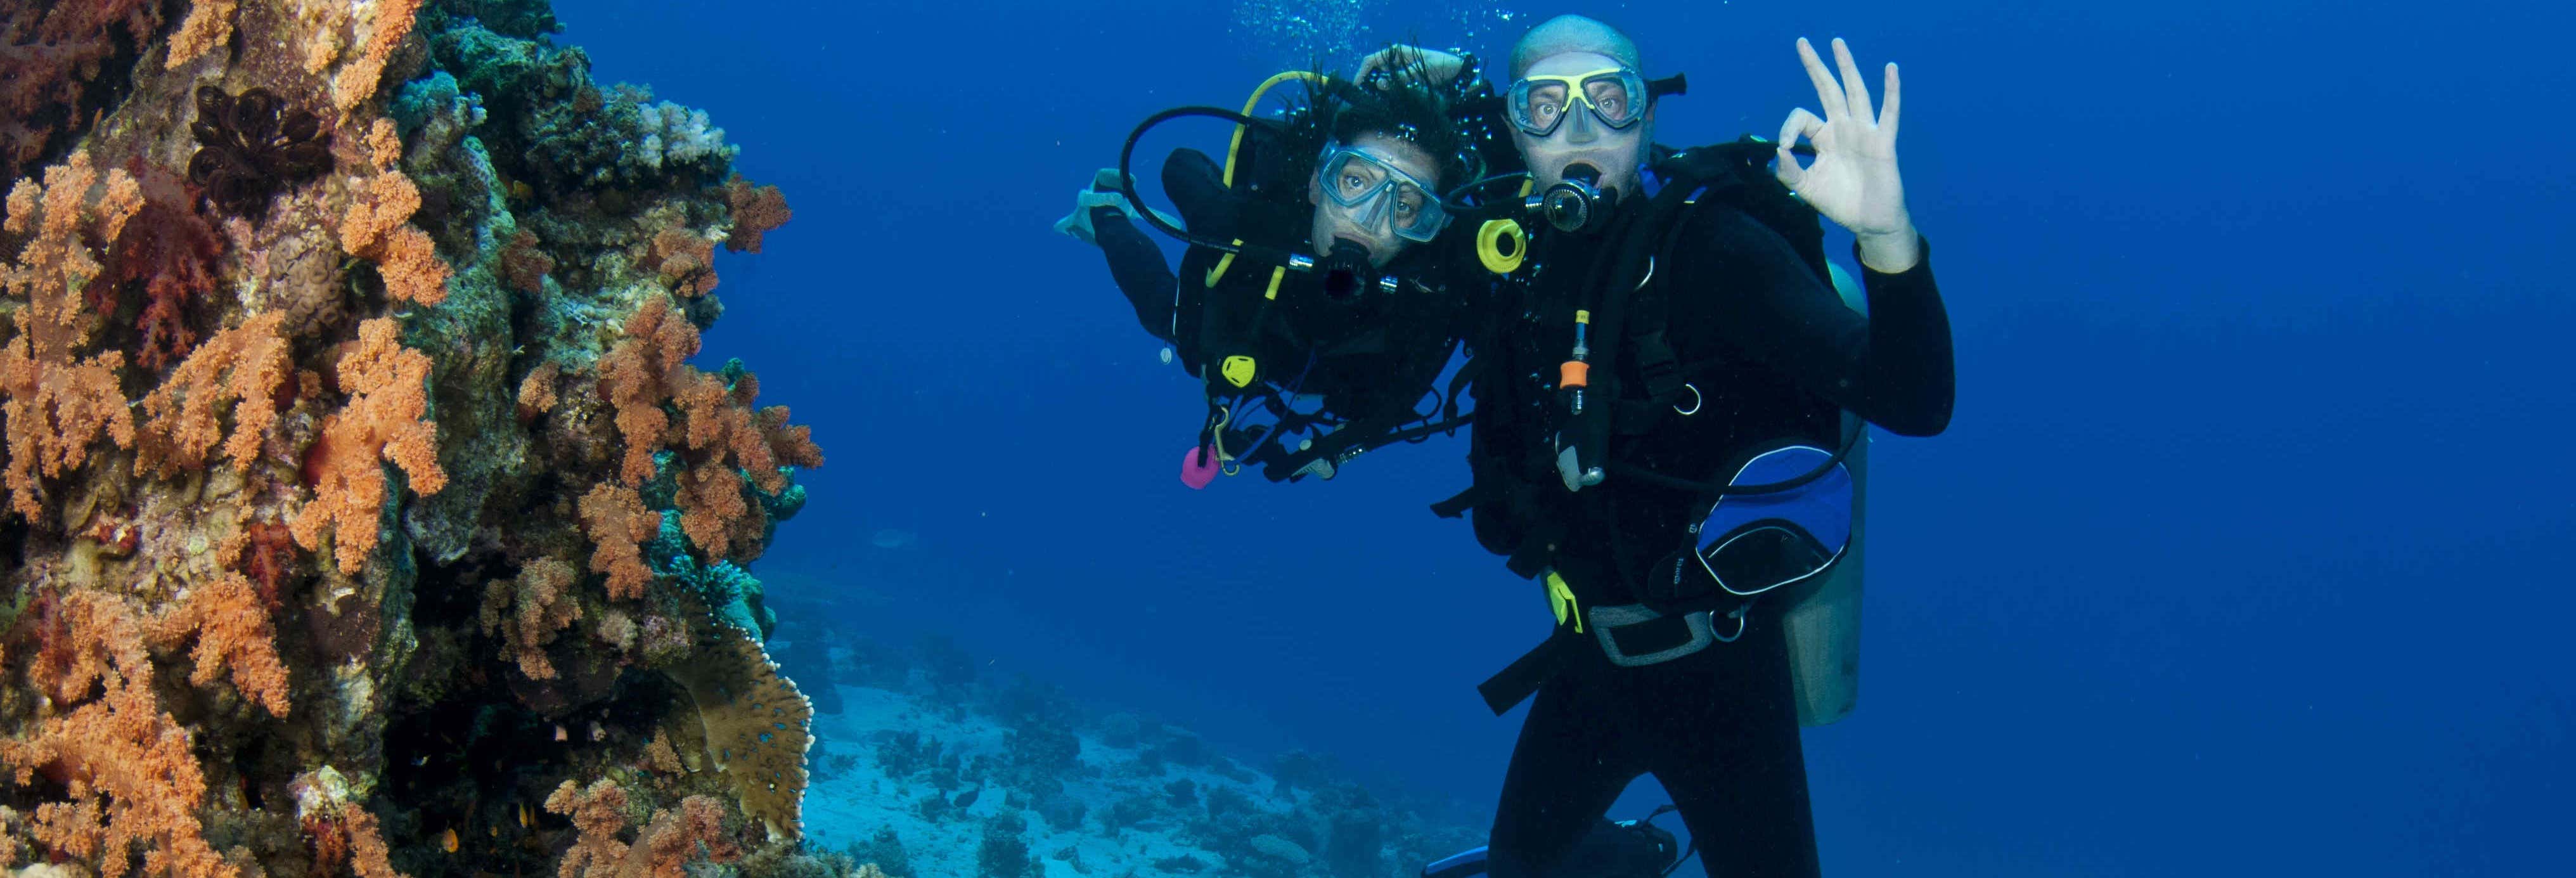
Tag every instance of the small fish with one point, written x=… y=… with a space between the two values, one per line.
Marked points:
x=895 y=538
x=447 y=840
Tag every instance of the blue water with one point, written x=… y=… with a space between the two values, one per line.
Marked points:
x=2246 y=553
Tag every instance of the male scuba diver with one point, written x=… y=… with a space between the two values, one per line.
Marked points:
x=1660 y=389
x=1311 y=300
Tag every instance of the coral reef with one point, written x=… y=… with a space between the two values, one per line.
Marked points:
x=365 y=515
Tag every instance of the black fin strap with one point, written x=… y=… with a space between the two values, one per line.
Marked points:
x=1458 y=504
x=1517 y=681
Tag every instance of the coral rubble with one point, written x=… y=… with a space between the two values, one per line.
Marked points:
x=365 y=515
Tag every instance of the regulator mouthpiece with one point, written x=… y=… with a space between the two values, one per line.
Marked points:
x=1577 y=203
x=1346 y=272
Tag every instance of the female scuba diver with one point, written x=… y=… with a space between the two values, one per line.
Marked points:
x=1313 y=300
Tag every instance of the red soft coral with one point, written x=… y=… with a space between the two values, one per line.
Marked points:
x=170 y=251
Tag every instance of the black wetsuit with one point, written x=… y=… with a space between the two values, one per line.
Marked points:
x=1777 y=356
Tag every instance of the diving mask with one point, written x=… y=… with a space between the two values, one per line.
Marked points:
x=1615 y=96
x=1369 y=191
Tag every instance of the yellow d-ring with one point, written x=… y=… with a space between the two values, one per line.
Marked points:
x=1500 y=245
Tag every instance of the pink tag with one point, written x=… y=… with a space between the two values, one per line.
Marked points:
x=1199 y=467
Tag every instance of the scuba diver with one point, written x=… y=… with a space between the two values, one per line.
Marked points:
x=1668 y=395
x=1312 y=301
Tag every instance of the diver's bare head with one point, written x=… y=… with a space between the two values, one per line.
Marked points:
x=1572 y=45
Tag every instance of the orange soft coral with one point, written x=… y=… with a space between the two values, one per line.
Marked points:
x=59 y=403
x=385 y=420
x=133 y=782
x=374 y=229
x=685 y=259
x=209 y=24
x=756 y=210
x=720 y=437
x=663 y=849
x=537 y=391
x=528 y=610
x=615 y=517
x=230 y=624
x=391 y=22
x=245 y=367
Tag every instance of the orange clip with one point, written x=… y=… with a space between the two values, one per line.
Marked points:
x=1575 y=373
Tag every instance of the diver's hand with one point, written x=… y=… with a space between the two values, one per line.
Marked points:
x=1103 y=194
x=1853 y=180
x=1437 y=67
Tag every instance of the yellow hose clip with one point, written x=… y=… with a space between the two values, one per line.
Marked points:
x=1560 y=597
x=1500 y=245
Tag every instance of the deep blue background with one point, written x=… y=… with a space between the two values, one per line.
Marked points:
x=2245 y=555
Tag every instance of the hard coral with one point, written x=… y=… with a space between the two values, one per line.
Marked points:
x=384 y=421
x=252 y=146
x=758 y=725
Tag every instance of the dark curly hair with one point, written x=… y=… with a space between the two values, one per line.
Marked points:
x=1399 y=104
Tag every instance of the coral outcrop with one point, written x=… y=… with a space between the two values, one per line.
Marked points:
x=365 y=513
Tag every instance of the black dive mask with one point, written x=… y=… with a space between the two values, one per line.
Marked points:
x=1578 y=203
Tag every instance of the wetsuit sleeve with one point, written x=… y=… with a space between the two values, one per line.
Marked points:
x=1745 y=285
x=1197 y=189
x=1137 y=265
